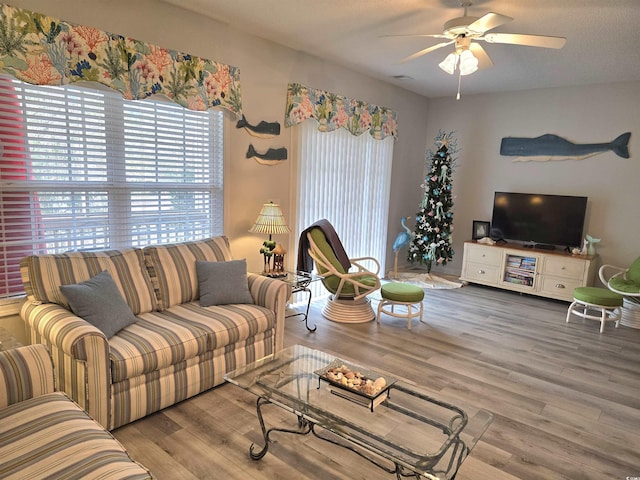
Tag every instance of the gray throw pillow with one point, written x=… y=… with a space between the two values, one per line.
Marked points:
x=100 y=303
x=223 y=283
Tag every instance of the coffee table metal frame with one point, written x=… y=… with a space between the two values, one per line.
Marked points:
x=277 y=380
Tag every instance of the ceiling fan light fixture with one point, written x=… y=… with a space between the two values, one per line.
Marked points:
x=468 y=63
x=449 y=63
x=465 y=61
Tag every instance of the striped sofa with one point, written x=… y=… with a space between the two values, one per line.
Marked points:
x=44 y=434
x=175 y=349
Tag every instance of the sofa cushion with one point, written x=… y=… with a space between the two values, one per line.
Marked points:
x=223 y=283
x=43 y=274
x=99 y=302
x=173 y=268
x=156 y=341
x=51 y=437
x=226 y=324
x=140 y=396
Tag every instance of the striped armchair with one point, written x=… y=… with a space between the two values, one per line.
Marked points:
x=43 y=433
x=174 y=350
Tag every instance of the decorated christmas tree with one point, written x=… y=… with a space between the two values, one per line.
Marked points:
x=432 y=240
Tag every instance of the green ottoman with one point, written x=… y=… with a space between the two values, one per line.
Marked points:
x=404 y=294
x=596 y=304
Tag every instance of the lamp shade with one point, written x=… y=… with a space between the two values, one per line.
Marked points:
x=449 y=63
x=468 y=63
x=270 y=220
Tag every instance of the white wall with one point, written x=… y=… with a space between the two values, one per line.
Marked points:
x=588 y=114
x=265 y=70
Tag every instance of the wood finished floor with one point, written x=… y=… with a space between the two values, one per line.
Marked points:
x=566 y=398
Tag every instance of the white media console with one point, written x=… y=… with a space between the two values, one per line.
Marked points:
x=546 y=273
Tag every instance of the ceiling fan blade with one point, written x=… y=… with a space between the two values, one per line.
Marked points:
x=483 y=59
x=488 y=22
x=434 y=35
x=425 y=51
x=528 y=40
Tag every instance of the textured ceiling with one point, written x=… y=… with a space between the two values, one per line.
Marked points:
x=602 y=46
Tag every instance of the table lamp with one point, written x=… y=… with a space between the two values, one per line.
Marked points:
x=271 y=221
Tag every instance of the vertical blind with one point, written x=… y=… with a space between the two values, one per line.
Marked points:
x=345 y=179
x=85 y=169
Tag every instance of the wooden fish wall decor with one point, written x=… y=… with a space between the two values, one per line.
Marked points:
x=552 y=147
x=273 y=156
x=262 y=130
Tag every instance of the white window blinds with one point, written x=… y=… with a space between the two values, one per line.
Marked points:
x=345 y=179
x=84 y=169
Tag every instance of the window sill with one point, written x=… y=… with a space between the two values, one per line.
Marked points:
x=11 y=306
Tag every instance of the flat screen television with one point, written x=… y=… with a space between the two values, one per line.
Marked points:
x=540 y=220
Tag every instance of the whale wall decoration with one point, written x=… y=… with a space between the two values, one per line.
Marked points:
x=552 y=147
x=262 y=130
x=273 y=156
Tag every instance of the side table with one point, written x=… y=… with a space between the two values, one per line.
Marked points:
x=299 y=282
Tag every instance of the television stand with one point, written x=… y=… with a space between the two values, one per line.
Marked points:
x=544 y=246
x=537 y=271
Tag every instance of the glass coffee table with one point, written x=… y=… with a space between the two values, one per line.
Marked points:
x=400 y=428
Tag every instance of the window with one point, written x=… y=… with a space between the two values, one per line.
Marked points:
x=345 y=179
x=85 y=169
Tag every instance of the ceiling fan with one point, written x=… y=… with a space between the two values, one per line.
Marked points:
x=464 y=32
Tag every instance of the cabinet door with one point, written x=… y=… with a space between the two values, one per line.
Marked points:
x=481 y=273
x=481 y=264
x=560 y=288
x=483 y=254
x=565 y=267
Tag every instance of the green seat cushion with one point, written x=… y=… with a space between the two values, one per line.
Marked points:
x=626 y=286
x=321 y=242
x=633 y=274
x=598 y=296
x=402 y=292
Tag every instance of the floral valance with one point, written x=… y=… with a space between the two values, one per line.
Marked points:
x=333 y=111
x=43 y=50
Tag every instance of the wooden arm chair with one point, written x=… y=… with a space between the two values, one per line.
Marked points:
x=348 y=302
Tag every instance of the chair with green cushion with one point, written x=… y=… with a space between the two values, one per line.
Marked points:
x=623 y=281
x=348 y=302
